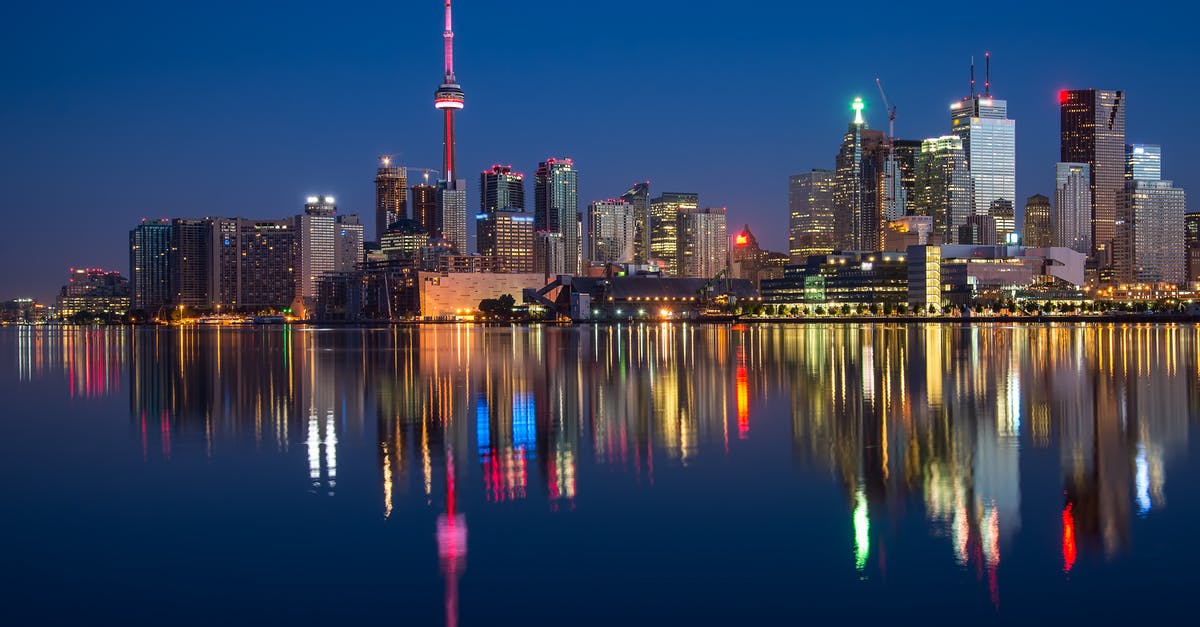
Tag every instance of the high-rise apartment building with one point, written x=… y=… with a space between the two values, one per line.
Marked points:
x=611 y=232
x=556 y=207
x=989 y=142
x=506 y=238
x=254 y=262
x=348 y=243
x=811 y=214
x=943 y=185
x=316 y=254
x=149 y=265
x=501 y=189
x=391 y=195
x=1093 y=132
x=1143 y=162
x=1148 y=246
x=1191 y=241
x=1038 y=230
x=664 y=228
x=703 y=248
x=425 y=209
x=1072 y=213
x=549 y=253
x=190 y=262
x=639 y=197
x=452 y=207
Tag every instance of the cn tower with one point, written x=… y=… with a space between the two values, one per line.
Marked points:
x=448 y=98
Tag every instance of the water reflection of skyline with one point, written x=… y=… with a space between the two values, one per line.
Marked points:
x=896 y=415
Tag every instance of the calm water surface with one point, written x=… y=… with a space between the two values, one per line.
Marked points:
x=599 y=475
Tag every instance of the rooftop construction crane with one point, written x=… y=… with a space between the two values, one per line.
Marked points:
x=386 y=160
x=889 y=196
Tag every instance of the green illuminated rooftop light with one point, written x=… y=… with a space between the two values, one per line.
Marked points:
x=857 y=105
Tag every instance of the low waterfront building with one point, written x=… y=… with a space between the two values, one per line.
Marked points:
x=94 y=291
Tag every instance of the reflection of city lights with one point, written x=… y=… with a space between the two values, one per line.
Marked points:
x=1142 y=480
x=862 y=530
x=1068 y=538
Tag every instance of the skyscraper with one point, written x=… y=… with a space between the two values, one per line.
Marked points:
x=1143 y=162
x=425 y=209
x=452 y=192
x=556 y=207
x=989 y=142
x=1072 y=213
x=348 y=243
x=1191 y=241
x=149 y=265
x=664 y=227
x=1038 y=230
x=190 y=262
x=860 y=180
x=639 y=197
x=703 y=248
x=611 y=231
x=501 y=189
x=391 y=195
x=452 y=207
x=1148 y=246
x=943 y=185
x=317 y=251
x=254 y=262
x=1093 y=132
x=811 y=208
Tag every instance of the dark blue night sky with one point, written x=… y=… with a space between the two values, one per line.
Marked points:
x=116 y=111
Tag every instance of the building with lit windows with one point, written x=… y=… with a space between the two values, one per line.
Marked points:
x=94 y=291
x=549 y=254
x=391 y=195
x=1072 y=212
x=943 y=185
x=1149 y=243
x=611 y=228
x=506 y=237
x=254 y=261
x=1143 y=162
x=1191 y=242
x=501 y=189
x=190 y=263
x=149 y=264
x=425 y=209
x=842 y=278
x=556 y=207
x=859 y=182
x=1038 y=230
x=664 y=225
x=638 y=196
x=811 y=208
x=348 y=243
x=316 y=252
x=403 y=240
x=1092 y=132
x=703 y=248
x=989 y=143
x=1006 y=220
x=452 y=208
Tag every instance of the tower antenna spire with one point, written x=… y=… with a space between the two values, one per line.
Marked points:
x=987 y=73
x=972 y=76
x=448 y=39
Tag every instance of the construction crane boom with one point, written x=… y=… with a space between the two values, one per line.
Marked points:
x=890 y=109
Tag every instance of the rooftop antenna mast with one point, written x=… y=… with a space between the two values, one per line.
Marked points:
x=972 y=76
x=987 y=74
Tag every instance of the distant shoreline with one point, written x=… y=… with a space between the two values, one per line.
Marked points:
x=1107 y=318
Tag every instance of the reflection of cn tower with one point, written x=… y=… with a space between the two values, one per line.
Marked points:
x=448 y=98
x=452 y=543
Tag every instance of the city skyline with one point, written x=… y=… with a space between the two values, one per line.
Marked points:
x=266 y=165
